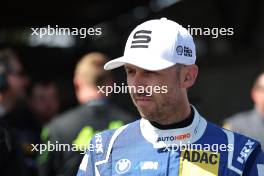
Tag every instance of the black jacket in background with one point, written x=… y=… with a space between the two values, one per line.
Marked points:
x=70 y=127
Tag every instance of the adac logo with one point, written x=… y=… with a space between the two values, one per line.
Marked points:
x=201 y=157
x=122 y=166
x=174 y=138
x=203 y=163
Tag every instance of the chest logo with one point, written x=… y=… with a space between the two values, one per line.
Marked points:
x=122 y=166
x=149 y=165
x=198 y=162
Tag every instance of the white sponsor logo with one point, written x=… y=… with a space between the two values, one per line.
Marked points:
x=149 y=165
x=98 y=144
x=122 y=166
x=246 y=150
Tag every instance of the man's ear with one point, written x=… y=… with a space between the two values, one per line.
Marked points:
x=76 y=83
x=190 y=73
x=253 y=94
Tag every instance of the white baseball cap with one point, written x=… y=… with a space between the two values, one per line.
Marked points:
x=156 y=45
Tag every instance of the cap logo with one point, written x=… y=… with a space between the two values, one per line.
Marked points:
x=186 y=51
x=179 y=50
x=141 y=39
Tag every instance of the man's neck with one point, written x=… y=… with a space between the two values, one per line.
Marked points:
x=181 y=124
x=182 y=112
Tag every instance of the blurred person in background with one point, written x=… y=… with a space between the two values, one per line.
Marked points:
x=44 y=100
x=43 y=104
x=13 y=84
x=251 y=122
x=14 y=81
x=77 y=126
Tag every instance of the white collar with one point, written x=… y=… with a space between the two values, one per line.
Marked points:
x=163 y=138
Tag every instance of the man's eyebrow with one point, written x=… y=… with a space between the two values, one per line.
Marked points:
x=127 y=67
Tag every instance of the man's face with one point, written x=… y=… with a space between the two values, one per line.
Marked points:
x=45 y=101
x=158 y=105
x=17 y=79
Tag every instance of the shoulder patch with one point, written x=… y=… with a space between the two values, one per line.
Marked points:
x=243 y=147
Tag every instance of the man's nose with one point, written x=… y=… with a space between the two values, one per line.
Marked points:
x=140 y=80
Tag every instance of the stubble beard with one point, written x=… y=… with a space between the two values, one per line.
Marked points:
x=163 y=108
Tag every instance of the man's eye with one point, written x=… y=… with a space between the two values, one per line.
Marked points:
x=130 y=71
x=150 y=72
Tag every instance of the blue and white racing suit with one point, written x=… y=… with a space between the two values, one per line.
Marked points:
x=200 y=149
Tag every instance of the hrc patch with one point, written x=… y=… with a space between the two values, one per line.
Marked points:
x=199 y=163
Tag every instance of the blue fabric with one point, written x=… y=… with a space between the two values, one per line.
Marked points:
x=131 y=154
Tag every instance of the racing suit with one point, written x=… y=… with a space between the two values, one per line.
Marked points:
x=200 y=149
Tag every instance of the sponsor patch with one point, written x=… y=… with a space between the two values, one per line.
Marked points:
x=198 y=162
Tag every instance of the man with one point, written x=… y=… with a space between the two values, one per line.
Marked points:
x=251 y=122
x=43 y=104
x=13 y=83
x=77 y=126
x=171 y=138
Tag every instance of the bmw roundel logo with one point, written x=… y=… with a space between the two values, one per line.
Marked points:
x=179 y=50
x=122 y=166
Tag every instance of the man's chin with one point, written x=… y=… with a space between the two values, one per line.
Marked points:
x=150 y=118
x=146 y=115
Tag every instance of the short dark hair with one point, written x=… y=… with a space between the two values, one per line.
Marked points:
x=40 y=82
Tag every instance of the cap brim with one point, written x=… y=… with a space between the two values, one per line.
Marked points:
x=151 y=65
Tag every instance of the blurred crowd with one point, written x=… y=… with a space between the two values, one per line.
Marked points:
x=30 y=113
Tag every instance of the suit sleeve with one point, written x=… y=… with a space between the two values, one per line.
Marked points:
x=87 y=166
x=255 y=164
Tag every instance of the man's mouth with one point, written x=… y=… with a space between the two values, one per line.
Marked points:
x=143 y=99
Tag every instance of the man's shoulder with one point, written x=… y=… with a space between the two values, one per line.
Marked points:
x=241 y=149
x=110 y=136
x=246 y=151
x=104 y=141
x=110 y=133
x=240 y=117
x=120 y=113
x=229 y=135
x=68 y=115
x=64 y=123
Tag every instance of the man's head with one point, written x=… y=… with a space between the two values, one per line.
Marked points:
x=44 y=100
x=160 y=106
x=159 y=53
x=13 y=74
x=257 y=92
x=89 y=74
